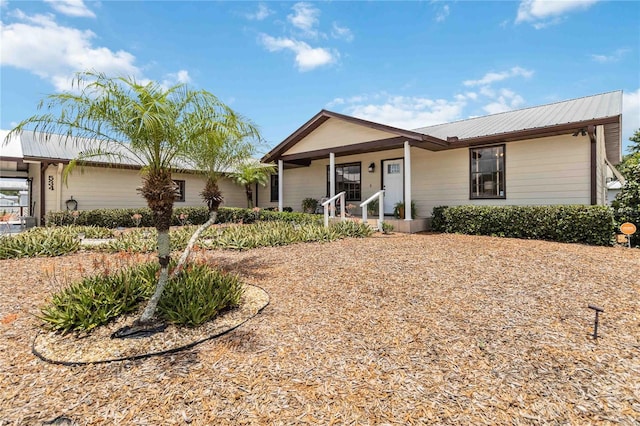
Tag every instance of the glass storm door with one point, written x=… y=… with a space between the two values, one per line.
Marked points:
x=392 y=183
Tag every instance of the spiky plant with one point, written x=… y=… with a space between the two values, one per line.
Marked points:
x=122 y=120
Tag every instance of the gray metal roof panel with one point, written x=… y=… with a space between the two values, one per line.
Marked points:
x=571 y=111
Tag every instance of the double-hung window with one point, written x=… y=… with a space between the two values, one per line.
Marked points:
x=347 y=180
x=487 y=172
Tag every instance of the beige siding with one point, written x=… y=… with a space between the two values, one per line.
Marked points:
x=234 y=195
x=544 y=171
x=105 y=188
x=333 y=133
x=553 y=170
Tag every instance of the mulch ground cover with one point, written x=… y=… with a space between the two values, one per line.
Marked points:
x=399 y=329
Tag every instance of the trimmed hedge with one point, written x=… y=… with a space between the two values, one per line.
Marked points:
x=566 y=223
x=114 y=218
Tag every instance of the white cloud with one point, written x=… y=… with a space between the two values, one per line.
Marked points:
x=499 y=76
x=180 y=77
x=505 y=101
x=335 y=102
x=630 y=115
x=54 y=52
x=307 y=57
x=75 y=8
x=305 y=18
x=403 y=111
x=613 y=57
x=442 y=14
x=261 y=14
x=341 y=32
x=542 y=13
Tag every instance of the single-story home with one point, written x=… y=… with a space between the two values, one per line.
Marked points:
x=96 y=185
x=551 y=154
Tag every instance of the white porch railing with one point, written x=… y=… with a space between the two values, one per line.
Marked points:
x=364 y=204
x=327 y=205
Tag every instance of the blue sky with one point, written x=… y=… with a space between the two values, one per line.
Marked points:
x=408 y=64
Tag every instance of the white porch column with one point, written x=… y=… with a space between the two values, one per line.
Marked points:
x=332 y=183
x=280 y=185
x=59 y=187
x=407 y=181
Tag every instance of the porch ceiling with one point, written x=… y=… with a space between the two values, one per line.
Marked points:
x=364 y=147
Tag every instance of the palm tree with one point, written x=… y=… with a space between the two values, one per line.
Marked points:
x=214 y=155
x=122 y=119
x=250 y=173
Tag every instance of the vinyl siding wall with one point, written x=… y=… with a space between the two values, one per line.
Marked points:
x=108 y=188
x=553 y=170
x=334 y=133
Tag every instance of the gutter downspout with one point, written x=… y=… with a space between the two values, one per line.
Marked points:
x=591 y=131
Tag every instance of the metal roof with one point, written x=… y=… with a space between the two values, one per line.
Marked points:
x=605 y=108
x=39 y=146
x=565 y=112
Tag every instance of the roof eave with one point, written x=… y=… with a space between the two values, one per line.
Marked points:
x=321 y=117
x=538 y=132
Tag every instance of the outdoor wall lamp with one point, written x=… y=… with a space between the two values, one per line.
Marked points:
x=372 y=167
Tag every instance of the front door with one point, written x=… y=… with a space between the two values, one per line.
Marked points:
x=392 y=183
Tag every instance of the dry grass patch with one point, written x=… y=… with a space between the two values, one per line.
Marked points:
x=400 y=329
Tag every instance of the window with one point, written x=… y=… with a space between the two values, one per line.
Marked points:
x=487 y=172
x=181 y=193
x=348 y=180
x=274 y=188
x=393 y=168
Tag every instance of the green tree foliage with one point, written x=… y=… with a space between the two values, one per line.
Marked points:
x=144 y=123
x=250 y=173
x=626 y=205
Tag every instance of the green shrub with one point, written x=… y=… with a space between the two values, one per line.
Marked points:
x=96 y=300
x=39 y=242
x=198 y=294
x=123 y=218
x=438 y=223
x=626 y=205
x=566 y=223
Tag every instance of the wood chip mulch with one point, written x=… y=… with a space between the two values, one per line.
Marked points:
x=399 y=329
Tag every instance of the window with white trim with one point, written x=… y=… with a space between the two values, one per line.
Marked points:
x=487 y=172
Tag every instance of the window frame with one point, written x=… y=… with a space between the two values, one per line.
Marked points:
x=342 y=165
x=502 y=179
x=182 y=187
x=274 y=189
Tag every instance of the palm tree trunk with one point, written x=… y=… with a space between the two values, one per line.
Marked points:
x=164 y=251
x=213 y=215
x=160 y=192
